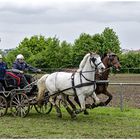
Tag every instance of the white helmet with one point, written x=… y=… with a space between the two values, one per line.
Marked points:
x=1 y=56
x=20 y=56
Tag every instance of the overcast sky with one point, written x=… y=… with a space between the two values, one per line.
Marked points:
x=67 y=19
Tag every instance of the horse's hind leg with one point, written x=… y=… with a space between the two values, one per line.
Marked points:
x=40 y=96
x=52 y=100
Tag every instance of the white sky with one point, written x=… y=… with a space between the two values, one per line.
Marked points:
x=67 y=19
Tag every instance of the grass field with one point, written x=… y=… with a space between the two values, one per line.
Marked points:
x=104 y=122
x=101 y=123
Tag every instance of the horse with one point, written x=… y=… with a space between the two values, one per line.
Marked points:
x=109 y=60
x=72 y=84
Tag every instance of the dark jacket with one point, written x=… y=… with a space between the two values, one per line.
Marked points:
x=23 y=66
x=3 y=67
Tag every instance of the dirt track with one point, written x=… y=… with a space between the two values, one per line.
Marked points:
x=131 y=94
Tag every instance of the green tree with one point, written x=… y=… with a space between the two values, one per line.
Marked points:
x=65 y=55
x=30 y=48
x=110 y=41
x=130 y=60
x=82 y=45
x=51 y=53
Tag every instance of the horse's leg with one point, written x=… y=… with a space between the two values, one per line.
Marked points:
x=71 y=103
x=77 y=101
x=64 y=98
x=82 y=104
x=52 y=100
x=97 y=100
x=109 y=99
x=40 y=96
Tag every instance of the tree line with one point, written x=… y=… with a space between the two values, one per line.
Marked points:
x=43 y=52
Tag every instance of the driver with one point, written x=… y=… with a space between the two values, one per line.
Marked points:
x=22 y=66
x=3 y=67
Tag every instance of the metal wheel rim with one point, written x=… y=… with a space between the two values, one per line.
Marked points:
x=3 y=106
x=44 y=109
x=19 y=105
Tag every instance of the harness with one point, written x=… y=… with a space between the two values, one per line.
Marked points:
x=89 y=83
x=79 y=85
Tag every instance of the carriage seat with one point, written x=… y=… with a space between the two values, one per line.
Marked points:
x=11 y=80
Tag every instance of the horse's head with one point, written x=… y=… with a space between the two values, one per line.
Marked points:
x=96 y=62
x=112 y=60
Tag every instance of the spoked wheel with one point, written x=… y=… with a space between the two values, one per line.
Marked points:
x=3 y=106
x=45 y=108
x=20 y=105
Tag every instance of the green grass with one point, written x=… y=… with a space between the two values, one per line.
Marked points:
x=100 y=123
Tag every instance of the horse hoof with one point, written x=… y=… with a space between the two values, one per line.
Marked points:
x=40 y=104
x=93 y=105
x=73 y=116
x=101 y=104
x=86 y=113
x=88 y=106
x=77 y=111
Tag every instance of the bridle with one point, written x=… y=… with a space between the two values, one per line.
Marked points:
x=93 y=61
x=89 y=82
x=111 y=64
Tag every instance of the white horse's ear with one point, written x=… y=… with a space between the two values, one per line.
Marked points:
x=108 y=55
x=90 y=53
x=96 y=52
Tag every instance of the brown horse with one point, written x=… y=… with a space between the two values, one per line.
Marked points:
x=109 y=60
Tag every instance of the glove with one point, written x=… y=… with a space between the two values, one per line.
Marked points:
x=21 y=72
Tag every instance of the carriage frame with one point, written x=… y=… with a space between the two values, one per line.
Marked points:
x=20 y=100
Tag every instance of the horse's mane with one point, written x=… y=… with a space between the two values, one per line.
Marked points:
x=107 y=54
x=83 y=62
x=103 y=56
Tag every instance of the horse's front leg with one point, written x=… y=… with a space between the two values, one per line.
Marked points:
x=109 y=99
x=97 y=100
x=82 y=104
x=106 y=102
x=52 y=100
x=64 y=102
x=71 y=103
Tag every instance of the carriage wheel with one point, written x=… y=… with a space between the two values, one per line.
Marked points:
x=3 y=106
x=44 y=109
x=20 y=105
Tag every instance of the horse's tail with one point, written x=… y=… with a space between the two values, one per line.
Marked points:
x=41 y=87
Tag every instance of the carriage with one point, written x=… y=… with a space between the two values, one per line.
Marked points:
x=20 y=100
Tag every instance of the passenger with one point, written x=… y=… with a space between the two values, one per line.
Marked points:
x=22 y=66
x=3 y=67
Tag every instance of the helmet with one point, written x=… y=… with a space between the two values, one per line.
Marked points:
x=20 y=56
x=1 y=56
